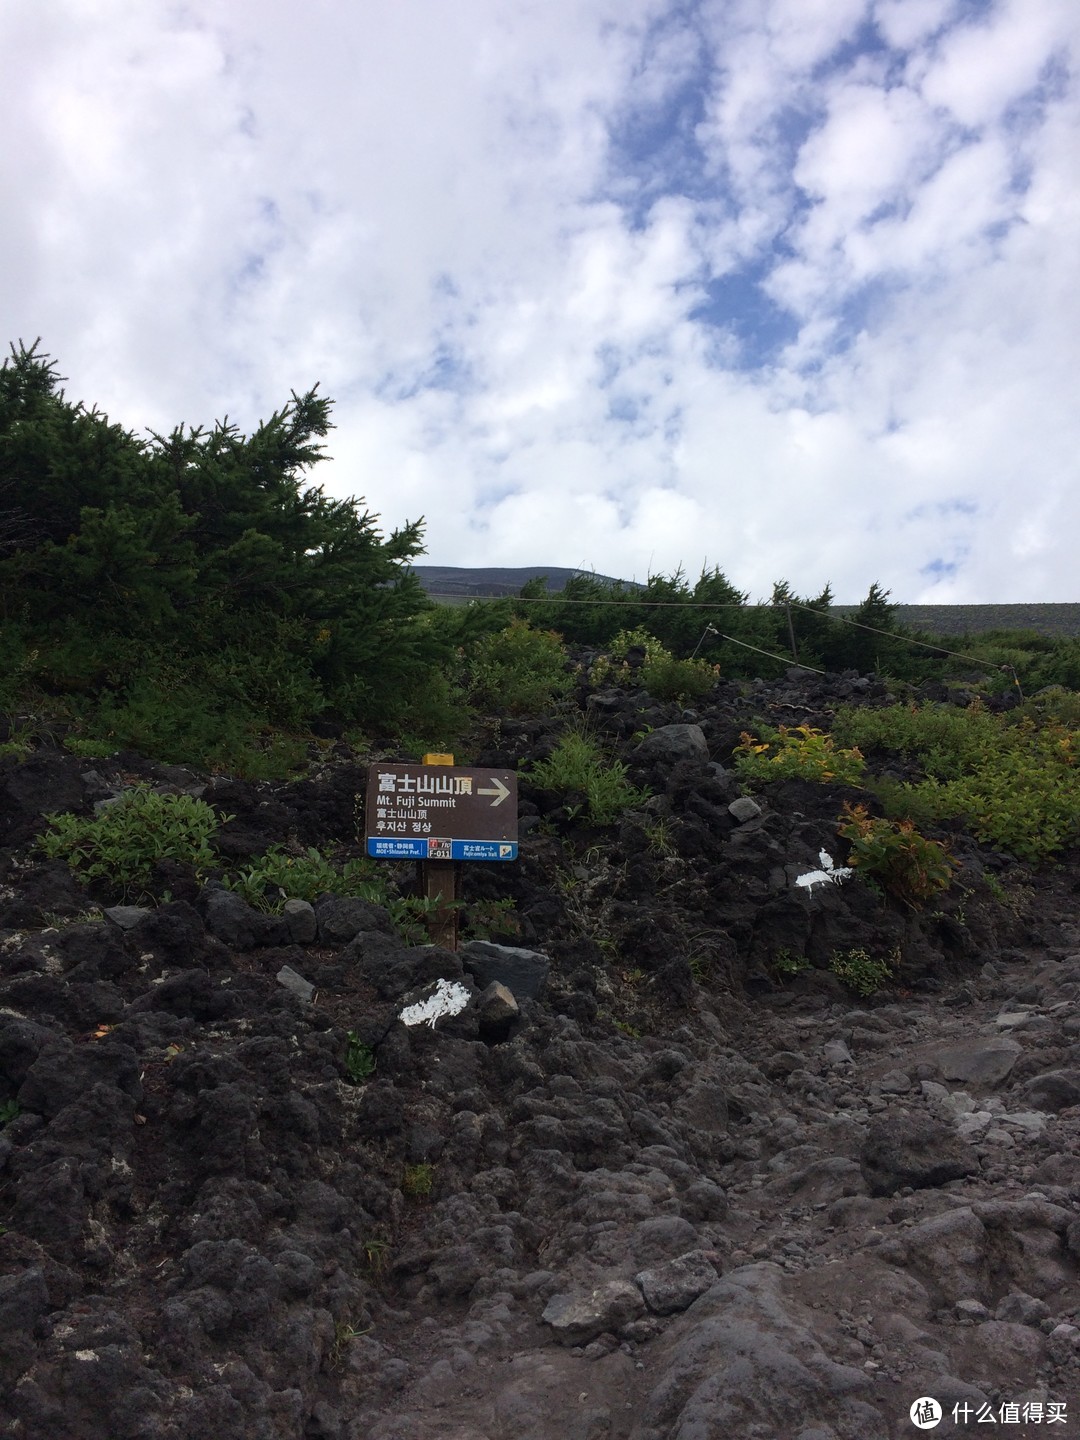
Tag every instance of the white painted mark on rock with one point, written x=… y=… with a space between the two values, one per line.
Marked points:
x=829 y=874
x=449 y=998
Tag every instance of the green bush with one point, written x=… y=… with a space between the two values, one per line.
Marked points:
x=359 y=1059
x=122 y=845
x=860 y=971
x=517 y=669
x=667 y=678
x=1025 y=799
x=1013 y=779
x=577 y=766
x=661 y=674
x=944 y=740
x=905 y=863
x=277 y=876
x=801 y=753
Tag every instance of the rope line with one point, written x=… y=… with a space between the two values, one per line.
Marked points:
x=731 y=605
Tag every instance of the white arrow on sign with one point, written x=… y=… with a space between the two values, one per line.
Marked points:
x=500 y=792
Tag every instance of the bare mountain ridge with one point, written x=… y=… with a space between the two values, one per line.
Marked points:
x=459 y=583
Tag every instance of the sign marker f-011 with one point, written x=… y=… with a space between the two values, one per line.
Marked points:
x=440 y=812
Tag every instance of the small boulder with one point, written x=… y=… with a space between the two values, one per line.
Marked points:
x=577 y=1319
x=300 y=922
x=980 y=1061
x=912 y=1150
x=498 y=1010
x=676 y=1285
x=670 y=744
x=1055 y=1090
x=342 y=917
x=301 y=988
x=126 y=917
x=235 y=923
x=523 y=972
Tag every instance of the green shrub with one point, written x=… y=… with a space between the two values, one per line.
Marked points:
x=518 y=669
x=661 y=674
x=1024 y=799
x=418 y=1181
x=359 y=1059
x=277 y=876
x=122 y=845
x=1013 y=779
x=484 y=919
x=88 y=749
x=577 y=766
x=905 y=863
x=666 y=678
x=944 y=740
x=860 y=971
x=802 y=753
x=166 y=716
x=786 y=962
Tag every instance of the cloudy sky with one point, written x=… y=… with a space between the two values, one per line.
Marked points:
x=784 y=286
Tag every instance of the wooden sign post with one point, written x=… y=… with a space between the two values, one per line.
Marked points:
x=439 y=883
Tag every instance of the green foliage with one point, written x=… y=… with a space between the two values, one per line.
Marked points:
x=860 y=971
x=945 y=740
x=484 y=919
x=1013 y=779
x=19 y=742
x=660 y=834
x=9 y=1110
x=801 y=752
x=577 y=766
x=787 y=963
x=359 y=1059
x=122 y=844
x=418 y=1181
x=905 y=863
x=1025 y=799
x=667 y=607
x=376 y=1256
x=411 y=916
x=88 y=749
x=278 y=875
x=661 y=674
x=203 y=557
x=517 y=670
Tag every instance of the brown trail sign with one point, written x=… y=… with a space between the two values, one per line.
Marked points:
x=439 y=813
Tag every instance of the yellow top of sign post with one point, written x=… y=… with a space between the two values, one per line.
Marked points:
x=437 y=759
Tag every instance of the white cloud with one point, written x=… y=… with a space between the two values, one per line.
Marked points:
x=422 y=208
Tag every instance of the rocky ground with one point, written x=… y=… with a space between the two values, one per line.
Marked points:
x=665 y=1192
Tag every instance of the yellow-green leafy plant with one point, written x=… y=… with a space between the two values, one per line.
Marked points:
x=1013 y=779
x=418 y=1181
x=481 y=919
x=279 y=875
x=122 y=845
x=905 y=863
x=798 y=752
x=860 y=971
x=359 y=1059
x=578 y=766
